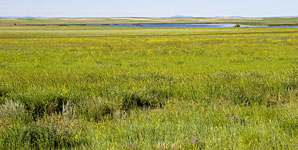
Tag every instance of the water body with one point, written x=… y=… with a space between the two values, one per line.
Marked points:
x=168 y=25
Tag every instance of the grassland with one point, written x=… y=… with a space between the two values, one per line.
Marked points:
x=148 y=88
x=147 y=20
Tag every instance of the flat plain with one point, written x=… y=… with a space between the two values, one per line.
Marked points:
x=148 y=88
x=274 y=21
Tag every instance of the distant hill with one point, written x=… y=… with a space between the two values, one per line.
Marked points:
x=229 y=16
x=21 y=17
x=181 y=16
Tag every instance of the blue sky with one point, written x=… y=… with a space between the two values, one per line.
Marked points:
x=152 y=8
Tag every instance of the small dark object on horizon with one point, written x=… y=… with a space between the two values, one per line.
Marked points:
x=236 y=26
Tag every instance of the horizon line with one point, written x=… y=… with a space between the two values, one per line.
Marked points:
x=176 y=16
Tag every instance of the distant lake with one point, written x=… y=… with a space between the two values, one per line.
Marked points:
x=168 y=25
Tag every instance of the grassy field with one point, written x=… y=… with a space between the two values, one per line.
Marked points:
x=148 y=88
x=140 y=20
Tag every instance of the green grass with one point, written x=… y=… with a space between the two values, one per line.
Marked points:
x=146 y=20
x=148 y=88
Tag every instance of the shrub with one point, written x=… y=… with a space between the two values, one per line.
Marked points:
x=11 y=112
x=39 y=137
x=133 y=100
x=45 y=104
x=94 y=109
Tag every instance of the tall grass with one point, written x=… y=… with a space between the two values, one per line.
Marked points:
x=148 y=88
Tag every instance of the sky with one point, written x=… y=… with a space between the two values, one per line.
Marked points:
x=152 y=8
